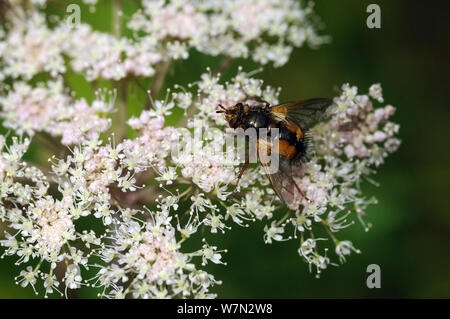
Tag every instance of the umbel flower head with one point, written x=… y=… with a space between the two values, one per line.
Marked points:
x=163 y=31
x=137 y=215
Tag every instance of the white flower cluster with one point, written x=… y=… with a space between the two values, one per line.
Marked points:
x=41 y=3
x=47 y=108
x=141 y=254
x=233 y=28
x=147 y=256
x=140 y=251
x=93 y=53
x=164 y=30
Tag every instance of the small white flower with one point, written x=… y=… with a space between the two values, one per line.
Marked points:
x=376 y=92
x=210 y=253
x=28 y=276
x=344 y=248
x=168 y=175
x=273 y=232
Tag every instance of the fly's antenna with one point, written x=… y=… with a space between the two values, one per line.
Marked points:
x=223 y=109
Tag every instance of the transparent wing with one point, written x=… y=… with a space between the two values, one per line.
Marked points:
x=281 y=180
x=304 y=114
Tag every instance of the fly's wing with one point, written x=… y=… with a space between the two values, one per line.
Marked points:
x=281 y=180
x=304 y=114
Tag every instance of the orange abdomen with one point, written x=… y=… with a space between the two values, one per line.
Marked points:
x=287 y=150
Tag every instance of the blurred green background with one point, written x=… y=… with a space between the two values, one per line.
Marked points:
x=410 y=236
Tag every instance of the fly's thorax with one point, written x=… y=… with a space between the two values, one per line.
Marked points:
x=256 y=118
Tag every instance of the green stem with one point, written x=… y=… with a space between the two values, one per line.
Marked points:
x=48 y=143
x=130 y=285
x=187 y=191
x=117 y=12
x=223 y=65
x=38 y=265
x=329 y=232
x=122 y=127
x=283 y=219
x=158 y=81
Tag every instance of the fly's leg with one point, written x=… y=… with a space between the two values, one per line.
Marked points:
x=239 y=178
x=300 y=191
x=240 y=174
x=258 y=99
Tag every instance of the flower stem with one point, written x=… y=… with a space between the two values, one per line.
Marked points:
x=186 y=192
x=283 y=219
x=158 y=81
x=121 y=134
x=47 y=142
x=130 y=286
x=223 y=65
x=117 y=13
x=329 y=232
